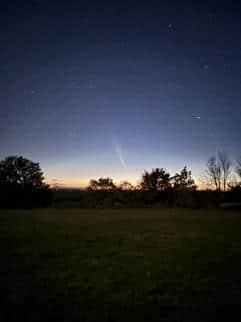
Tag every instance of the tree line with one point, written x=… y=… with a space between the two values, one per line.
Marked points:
x=219 y=174
x=158 y=179
x=22 y=184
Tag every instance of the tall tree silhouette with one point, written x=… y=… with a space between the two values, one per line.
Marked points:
x=183 y=180
x=238 y=168
x=16 y=170
x=218 y=171
x=22 y=184
x=225 y=165
x=212 y=173
x=156 y=180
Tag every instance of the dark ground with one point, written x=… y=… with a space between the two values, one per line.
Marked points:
x=120 y=265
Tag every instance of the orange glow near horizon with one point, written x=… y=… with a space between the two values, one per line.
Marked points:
x=68 y=183
x=81 y=184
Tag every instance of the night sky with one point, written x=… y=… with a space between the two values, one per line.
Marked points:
x=109 y=88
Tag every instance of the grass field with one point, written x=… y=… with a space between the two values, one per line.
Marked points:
x=120 y=265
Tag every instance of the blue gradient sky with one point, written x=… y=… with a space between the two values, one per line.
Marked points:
x=107 y=88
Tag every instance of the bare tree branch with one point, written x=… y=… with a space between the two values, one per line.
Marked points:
x=213 y=173
x=225 y=166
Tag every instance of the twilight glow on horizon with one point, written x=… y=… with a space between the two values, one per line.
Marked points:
x=110 y=88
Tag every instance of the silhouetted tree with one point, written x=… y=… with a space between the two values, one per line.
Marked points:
x=218 y=171
x=16 y=170
x=156 y=180
x=238 y=168
x=125 y=185
x=183 y=180
x=225 y=166
x=22 y=184
x=212 y=173
x=102 y=184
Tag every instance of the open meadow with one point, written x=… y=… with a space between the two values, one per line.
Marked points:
x=120 y=265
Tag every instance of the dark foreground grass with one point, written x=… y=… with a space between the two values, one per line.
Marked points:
x=120 y=265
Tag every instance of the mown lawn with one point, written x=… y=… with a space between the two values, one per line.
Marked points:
x=120 y=265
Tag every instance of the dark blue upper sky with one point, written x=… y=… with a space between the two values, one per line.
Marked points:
x=109 y=88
